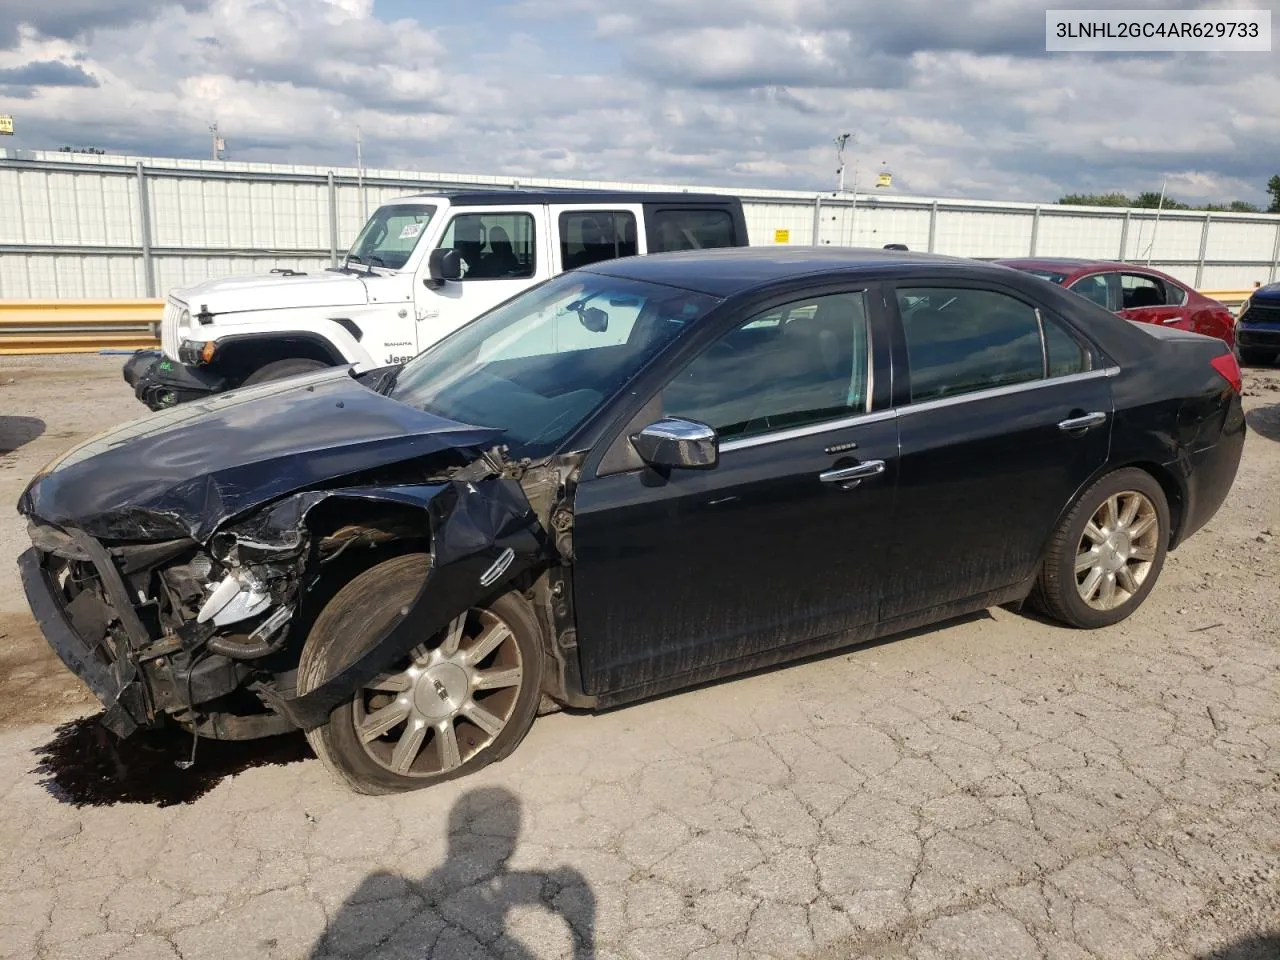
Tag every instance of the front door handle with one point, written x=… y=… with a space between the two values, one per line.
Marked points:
x=1087 y=422
x=1172 y=320
x=859 y=471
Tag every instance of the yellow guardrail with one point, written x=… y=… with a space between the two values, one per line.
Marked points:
x=78 y=326
x=89 y=326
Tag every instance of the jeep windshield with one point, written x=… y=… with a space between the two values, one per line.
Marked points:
x=541 y=364
x=391 y=234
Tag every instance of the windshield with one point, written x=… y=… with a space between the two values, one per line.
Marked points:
x=389 y=237
x=541 y=364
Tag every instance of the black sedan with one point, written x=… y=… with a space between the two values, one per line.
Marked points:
x=638 y=476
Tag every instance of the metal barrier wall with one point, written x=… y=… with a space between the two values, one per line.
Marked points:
x=76 y=226
x=86 y=326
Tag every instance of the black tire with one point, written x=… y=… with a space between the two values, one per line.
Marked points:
x=279 y=369
x=1056 y=592
x=1256 y=356
x=356 y=616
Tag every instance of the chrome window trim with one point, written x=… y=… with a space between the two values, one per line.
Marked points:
x=808 y=430
x=813 y=429
x=1006 y=390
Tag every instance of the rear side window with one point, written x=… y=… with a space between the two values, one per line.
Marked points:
x=961 y=340
x=1141 y=291
x=1064 y=353
x=689 y=229
x=590 y=236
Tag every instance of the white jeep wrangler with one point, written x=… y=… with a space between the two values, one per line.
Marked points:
x=421 y=267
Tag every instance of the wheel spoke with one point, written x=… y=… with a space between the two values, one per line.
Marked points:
x=1107 y=595
x=1131 y=506
x=390 y=682
x=1094 y=533
x=383 y=719
x=1110 y=513
x=1145 y=554
x=482 y=718
x=447 y=745
x=449 y=645
x=421 y=655
x=498 y=678
x=1086 y=560
x=1127 y=580
x=408 y=747
x=1091 y=583
x=487 y=642
x=1142 y=526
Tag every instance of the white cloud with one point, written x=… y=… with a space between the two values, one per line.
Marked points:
x=748 y=92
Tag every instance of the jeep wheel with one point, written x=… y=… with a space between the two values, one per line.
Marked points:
x=293 y=367
x=459 y=701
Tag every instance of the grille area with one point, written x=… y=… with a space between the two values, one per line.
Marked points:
x=170 y=335
x=1262 y=313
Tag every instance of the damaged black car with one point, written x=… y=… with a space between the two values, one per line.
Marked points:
x=638 y=476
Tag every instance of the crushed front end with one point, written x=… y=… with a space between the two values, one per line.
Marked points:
x=161 y=629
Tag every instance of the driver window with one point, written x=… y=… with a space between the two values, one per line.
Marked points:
x=494 y=246
x=792 y=366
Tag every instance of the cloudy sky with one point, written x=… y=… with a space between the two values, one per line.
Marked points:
x=957 y=98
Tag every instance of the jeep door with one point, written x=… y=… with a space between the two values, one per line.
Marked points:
x=505 y=250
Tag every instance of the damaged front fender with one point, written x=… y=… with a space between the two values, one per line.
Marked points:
x=484 y=535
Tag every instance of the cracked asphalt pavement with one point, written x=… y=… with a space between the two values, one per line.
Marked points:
x=993 y=788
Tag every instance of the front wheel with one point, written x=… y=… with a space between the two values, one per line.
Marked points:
x=1107 y=553
x=459 y=701
x=278 y=370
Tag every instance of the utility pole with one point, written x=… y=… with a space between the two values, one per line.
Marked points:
x=219 y=144
x=841 y=142
x=364 y=206
x=1159 y=206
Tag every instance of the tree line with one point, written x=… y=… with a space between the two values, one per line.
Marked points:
x=1151 y=199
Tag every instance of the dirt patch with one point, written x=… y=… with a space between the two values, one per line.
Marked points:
x=35 y=686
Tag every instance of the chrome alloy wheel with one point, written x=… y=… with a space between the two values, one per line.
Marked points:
x=448 y=703
x=1116 y=551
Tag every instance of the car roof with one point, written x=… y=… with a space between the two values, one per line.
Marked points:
x=725 y=271
x=1072 y=264
x=491 y=198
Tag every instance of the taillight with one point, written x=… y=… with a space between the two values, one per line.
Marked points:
x=1229 y=370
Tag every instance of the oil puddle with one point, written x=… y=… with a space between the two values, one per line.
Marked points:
x=86 y=765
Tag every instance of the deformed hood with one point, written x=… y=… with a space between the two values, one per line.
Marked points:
x=184 y=471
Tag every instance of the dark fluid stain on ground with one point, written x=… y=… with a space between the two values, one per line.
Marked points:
x=85 y=764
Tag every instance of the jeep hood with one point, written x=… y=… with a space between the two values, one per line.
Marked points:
x=185 y=471
x=275 y=292
x=1269 y=295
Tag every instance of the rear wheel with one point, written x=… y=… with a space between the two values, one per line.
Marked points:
x=1256 y=356
x=278 y=370
x=1107 y=554
x=461 y=700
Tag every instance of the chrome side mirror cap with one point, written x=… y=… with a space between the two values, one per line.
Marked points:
x=678 y=444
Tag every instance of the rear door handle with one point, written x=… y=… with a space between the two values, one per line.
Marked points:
x=859 y=471
x=1087 y=422
x=1172 y=320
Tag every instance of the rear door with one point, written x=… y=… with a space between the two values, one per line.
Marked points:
x=1004 y=415
x=504 y=252
x=1148 y=299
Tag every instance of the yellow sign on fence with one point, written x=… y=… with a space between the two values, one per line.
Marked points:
x=6 y=125
x=885 y=180
x=782 y=236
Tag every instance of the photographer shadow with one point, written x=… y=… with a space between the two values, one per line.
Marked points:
x=462 y=908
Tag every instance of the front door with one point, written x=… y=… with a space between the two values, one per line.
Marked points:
x=782 y=542
x=1005 y=416
x=504 y=251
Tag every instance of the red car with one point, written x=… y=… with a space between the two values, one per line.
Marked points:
x=1136 y=293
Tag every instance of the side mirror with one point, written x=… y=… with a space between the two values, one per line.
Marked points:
x=672 y=442
x=444 y=265
x=594 y=319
